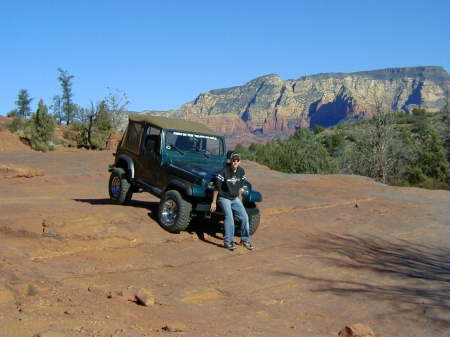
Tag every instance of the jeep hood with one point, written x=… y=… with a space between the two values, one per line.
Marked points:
x=200 y=170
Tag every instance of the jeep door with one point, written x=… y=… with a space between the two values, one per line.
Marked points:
x=150 y=156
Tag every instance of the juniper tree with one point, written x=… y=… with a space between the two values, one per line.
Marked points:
x=42 y=127
x=94 y=126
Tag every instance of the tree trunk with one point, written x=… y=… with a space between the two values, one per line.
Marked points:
x=90 y=132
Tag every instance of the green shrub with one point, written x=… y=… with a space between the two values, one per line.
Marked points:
x=300 y=153
x=334 y=143
x=12 y=113
x=94 y=128
x=414 y=175
x=16 y=125
x=399 y=149
x=239 y=149
x=41 y=129
x=431 y=152
x=39 y=146
x=318 y=129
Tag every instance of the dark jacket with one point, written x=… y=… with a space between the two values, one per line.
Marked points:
x=228 y=182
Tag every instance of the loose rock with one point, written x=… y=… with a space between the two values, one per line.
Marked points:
x=97 y=290
x=144 y=297
x=356 y=330
x=173 y=328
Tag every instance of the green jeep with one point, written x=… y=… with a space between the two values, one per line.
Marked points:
x=177 y=161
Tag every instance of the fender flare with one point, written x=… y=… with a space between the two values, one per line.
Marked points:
x=130 y=164
x=184 y=187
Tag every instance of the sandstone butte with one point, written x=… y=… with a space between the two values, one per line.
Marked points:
x=270 y=106
x=333 y=254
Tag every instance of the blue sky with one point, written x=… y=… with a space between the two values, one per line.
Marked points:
x=164 y=53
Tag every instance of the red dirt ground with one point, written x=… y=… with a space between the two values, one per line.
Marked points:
x=331 y=251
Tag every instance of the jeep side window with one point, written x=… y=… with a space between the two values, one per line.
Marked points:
x=175 y=140
x=184 y=143
x=133 y=135
x=170 y=140
x=152 y=139
x=213 y=147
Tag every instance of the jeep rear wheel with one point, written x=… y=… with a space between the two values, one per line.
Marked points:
x=174 y=213
x=119 y=187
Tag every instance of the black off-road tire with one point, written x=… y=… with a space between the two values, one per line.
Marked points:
x=119 y=187
x=254 y=218
x=174 y=213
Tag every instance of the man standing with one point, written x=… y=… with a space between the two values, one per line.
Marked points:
x=229 y=181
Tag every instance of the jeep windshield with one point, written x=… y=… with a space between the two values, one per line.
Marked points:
x=187 y=142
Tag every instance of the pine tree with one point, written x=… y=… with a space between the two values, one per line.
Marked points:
x=23 y=104
x=56 y=108
x=68 y=107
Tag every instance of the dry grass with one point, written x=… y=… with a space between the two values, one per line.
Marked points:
x=15 y=171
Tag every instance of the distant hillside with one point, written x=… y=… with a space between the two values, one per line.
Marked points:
x=271 y=106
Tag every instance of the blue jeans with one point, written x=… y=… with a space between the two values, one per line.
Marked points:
x=228 y=206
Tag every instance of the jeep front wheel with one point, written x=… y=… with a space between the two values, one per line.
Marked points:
x=119 y=187
x=254 y=219
x=174 y=213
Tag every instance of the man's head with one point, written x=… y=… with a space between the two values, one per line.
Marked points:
x=235 y=160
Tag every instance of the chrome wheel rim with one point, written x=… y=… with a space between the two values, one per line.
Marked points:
x=115 y=187
x=169 y=212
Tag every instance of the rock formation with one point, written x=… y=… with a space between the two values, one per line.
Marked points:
x=269 y=105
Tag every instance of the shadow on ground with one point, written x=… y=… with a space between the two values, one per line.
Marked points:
x=202 y=228
x=150 y=205
x=415 y=276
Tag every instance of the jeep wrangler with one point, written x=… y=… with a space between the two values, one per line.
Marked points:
x=177 y=161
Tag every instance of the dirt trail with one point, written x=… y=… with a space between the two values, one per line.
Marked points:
x=331 y=251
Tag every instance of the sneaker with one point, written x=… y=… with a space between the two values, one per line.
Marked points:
x=247 y=245
x=229 y=246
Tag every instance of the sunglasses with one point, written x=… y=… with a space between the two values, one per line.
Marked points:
x=236 y=160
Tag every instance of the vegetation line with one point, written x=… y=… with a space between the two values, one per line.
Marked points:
x=393 y=148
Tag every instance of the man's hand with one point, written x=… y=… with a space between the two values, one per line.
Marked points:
x=213 y=207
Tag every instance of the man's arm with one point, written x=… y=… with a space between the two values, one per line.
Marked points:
x=241 y=183
x=243 y=178
x=214 y=201
x=218 y=187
